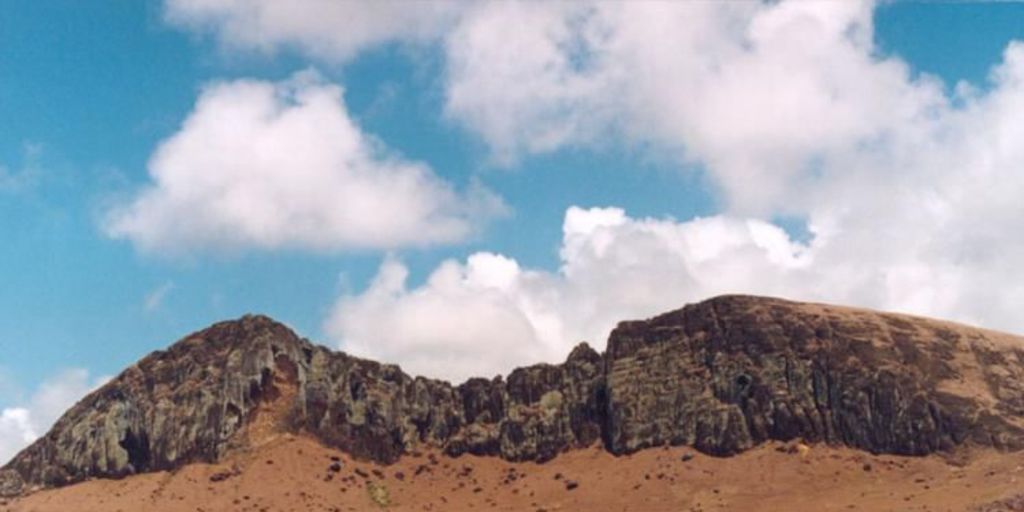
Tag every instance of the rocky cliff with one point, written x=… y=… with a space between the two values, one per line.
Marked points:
x=722 y=376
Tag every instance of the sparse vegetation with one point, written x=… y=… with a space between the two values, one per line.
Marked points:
x=551 y=401
x=379 y=494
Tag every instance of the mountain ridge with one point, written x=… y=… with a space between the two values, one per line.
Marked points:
x=723 y=375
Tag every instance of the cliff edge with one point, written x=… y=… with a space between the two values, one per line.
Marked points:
x=722 y=376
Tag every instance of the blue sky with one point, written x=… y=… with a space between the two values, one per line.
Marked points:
x=90 y=90
x=96 y=102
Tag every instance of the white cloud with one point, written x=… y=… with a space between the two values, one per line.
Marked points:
x=776 y=100
x=523 y=76
x=326 y=28
x=16 y=432
x=154 y=300
x=773 y=99
x=488 y=314
x=791 y=82
x=27 y=176
x=465 y=321
x=763 y=95
x=22 y=424
x=282 y=165
x=910 y=189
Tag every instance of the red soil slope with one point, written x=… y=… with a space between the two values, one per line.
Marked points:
x=291 y=473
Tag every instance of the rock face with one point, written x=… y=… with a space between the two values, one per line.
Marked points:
x=11 y=483
x=729 y=373
x=722 y=376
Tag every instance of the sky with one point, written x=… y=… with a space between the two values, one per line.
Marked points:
x=462 y=188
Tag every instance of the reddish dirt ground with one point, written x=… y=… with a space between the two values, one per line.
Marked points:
x=295 y=474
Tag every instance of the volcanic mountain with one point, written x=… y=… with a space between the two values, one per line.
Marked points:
x=724 y=379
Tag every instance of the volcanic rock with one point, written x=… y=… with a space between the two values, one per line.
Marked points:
x=732 y=372
x=11 y=483
x=721 y=376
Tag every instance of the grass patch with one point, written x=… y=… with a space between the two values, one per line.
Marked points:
x=378 y=494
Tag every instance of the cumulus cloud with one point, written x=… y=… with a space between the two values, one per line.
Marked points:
x=763 y=95
x=326 y=28
x=771 y=98
x=909 y=187
x=466 y=319
x=22 y=424
x=488 y=314
x=791 y=82
x=16 y=432
x=282 y=165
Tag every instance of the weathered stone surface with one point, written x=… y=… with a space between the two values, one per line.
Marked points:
x=731 y=372
x=177 y=406
x=11 y=484
x=722 y=376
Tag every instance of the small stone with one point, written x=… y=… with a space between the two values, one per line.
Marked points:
x=220 y=476
x=571 y=484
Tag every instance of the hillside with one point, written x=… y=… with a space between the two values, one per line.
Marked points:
x=722 y=377
x=299 y=474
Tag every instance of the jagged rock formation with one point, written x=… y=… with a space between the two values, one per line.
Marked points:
x=723 y=376
x=731 y=372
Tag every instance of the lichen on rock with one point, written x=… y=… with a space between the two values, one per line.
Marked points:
x=11 y=483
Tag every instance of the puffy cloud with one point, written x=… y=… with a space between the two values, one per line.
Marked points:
x=791 y=111
x=467 y=319
x=488 y=314
x=16 y=432
x=776 y=100
x=785 y=105
x=765 y=96
x=326 y=28
x=21 y=425
x=909 y=189
x=282 y=165
x=527 y=78
x=795 y=84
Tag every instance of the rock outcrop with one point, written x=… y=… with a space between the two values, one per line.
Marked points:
x=729 y=373
x=722 y=376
